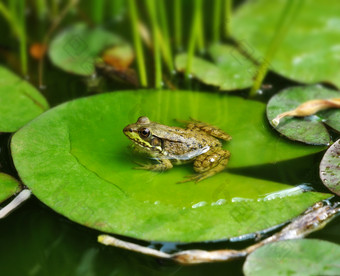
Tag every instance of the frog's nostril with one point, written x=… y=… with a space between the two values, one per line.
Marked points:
x=128 y=129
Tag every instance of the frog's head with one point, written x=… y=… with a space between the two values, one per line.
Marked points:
x=141 y=134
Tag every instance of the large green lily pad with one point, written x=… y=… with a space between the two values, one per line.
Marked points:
x=229 y=70
x=20 y=102
x=8 y=186
x=76 y=159
x=311 y=129
x=294 y=257
x=330 y=168
x=310 y=51
x=77 y=48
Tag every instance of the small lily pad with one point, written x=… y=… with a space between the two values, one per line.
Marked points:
x=76 y=159
x=20 y=102
x=294 y=257
x=311 y=129
x=230 y=70
x=8 y=186
x=77 y=48
x=309 y=53
x=330 y=168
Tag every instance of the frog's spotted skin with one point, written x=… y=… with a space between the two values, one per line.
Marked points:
x=175 y=145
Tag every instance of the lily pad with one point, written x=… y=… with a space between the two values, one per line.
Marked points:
x=311 y=129
x=20 y=102
x=310 y=51
x=229 y=71
x=76 y=159
x=77 y=48
x=8 y=186
x=294 y=257
x=330 y=168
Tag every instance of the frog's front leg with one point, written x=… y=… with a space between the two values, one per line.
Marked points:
x=163 y=165
x=209 y=164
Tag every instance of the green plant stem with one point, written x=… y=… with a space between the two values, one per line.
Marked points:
x=227 y=17
x=137 y=43
x=164 y=36
x=285 y=21
x=217 y=17
x=178 y=24
x=98 y=9
x=23 y=39
x=151 y=6
x=10 y=17
x=193 y=37
x=41 y=8
x=54 y=7
x=200 y=31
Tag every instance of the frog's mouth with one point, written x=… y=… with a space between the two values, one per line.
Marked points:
x=134 y=136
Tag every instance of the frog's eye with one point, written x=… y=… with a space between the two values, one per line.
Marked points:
x=144 y=132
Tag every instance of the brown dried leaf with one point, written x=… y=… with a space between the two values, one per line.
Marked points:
x=308 y=108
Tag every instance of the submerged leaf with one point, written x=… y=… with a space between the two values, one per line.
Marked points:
x=76 y=159
x=294 y=257
x=76 y=49
x=330 y=168
x=8 y=186
x=310 y=51
x=300 y=100
x=20 y=102
x=229 y=70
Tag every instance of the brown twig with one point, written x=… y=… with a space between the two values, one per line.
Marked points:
x=312 y=220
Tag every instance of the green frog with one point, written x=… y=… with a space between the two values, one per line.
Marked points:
x=198 y=143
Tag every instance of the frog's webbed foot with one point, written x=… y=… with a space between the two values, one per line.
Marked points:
x=209 y=129
x=163 y=165
x=209 y=164
x=196 y=177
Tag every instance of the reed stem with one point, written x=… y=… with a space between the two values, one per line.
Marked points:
x=193 y=37
x=98 y=8
x=286 y=19
x=151 y=6
x=137 y=43
x=178 y=24
x=217 y=18
x=23 y=38
x=10 y=16
x=41 y=8
x=164 y=36
x=200 y=30
x=227 y=17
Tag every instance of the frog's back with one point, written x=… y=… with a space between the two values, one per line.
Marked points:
x=186 y=144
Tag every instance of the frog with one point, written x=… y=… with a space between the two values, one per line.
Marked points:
x=198 y=142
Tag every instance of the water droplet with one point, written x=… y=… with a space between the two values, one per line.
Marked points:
x=219 y=202
x=199 y=204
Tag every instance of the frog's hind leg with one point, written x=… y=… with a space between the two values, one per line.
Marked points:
x=209 y=164
x=209 y=129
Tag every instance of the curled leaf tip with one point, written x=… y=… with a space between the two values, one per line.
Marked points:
x=308 y=108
